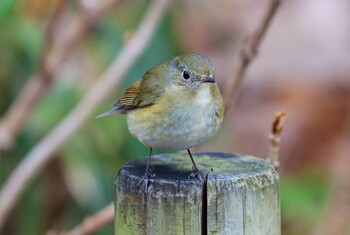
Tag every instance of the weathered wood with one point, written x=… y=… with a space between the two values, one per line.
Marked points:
x=240 y=196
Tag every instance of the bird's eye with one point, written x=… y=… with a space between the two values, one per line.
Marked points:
x=186 y=75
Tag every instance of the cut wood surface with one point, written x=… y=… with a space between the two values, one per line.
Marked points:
x=239 y=196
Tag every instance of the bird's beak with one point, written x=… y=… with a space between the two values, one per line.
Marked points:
x=208 y=79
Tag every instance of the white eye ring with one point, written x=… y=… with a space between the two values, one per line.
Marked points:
x=186 y=75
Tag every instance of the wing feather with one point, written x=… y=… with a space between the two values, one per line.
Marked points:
x=129 y=99
x=144 y=92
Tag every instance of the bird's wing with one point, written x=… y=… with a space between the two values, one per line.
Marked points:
x=130 y=97
x=129 y=101
x=141 y=94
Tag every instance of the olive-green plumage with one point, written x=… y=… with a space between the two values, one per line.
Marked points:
x=175 y=105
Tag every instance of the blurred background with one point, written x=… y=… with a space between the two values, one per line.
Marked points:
x=302 y=67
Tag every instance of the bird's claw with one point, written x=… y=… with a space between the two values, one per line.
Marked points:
x=196 y=174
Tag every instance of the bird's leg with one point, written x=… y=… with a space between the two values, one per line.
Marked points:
x=195 y=171
x=148 y=172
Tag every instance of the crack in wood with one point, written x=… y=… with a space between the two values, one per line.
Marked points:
x=205 y=205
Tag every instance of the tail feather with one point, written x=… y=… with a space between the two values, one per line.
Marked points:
x=114 y=110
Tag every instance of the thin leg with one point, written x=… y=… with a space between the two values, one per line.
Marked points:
x=195 y=172
x=193 y=163
x=148 y=172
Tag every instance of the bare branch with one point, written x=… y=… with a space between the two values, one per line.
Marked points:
x=248 y=53
x=92 y=223
x=38 y=84
x=104 y=85
x=275 y=137
x=49 y=36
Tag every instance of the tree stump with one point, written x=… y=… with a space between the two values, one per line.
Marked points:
x=239 y=196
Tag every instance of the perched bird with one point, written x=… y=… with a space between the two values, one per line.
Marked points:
x=175 y=105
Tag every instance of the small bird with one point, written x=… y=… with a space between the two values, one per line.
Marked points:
x=175 y=105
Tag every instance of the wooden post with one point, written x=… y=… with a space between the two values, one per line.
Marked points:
x=239 y=196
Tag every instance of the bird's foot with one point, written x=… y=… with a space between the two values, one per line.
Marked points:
x=147 y=176
x=197 y=174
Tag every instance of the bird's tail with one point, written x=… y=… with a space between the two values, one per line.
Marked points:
x=113 y=110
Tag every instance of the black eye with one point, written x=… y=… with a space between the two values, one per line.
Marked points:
x=186 y=75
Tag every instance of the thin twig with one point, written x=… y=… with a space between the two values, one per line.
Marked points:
x=275 y=137
x=11 y=123
x=50 y=61
x=36 y=159
x=49 y=36
x=92 y=223
x=247 y=54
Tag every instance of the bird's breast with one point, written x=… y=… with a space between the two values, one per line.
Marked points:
x=204 y=96
x=177 y=122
